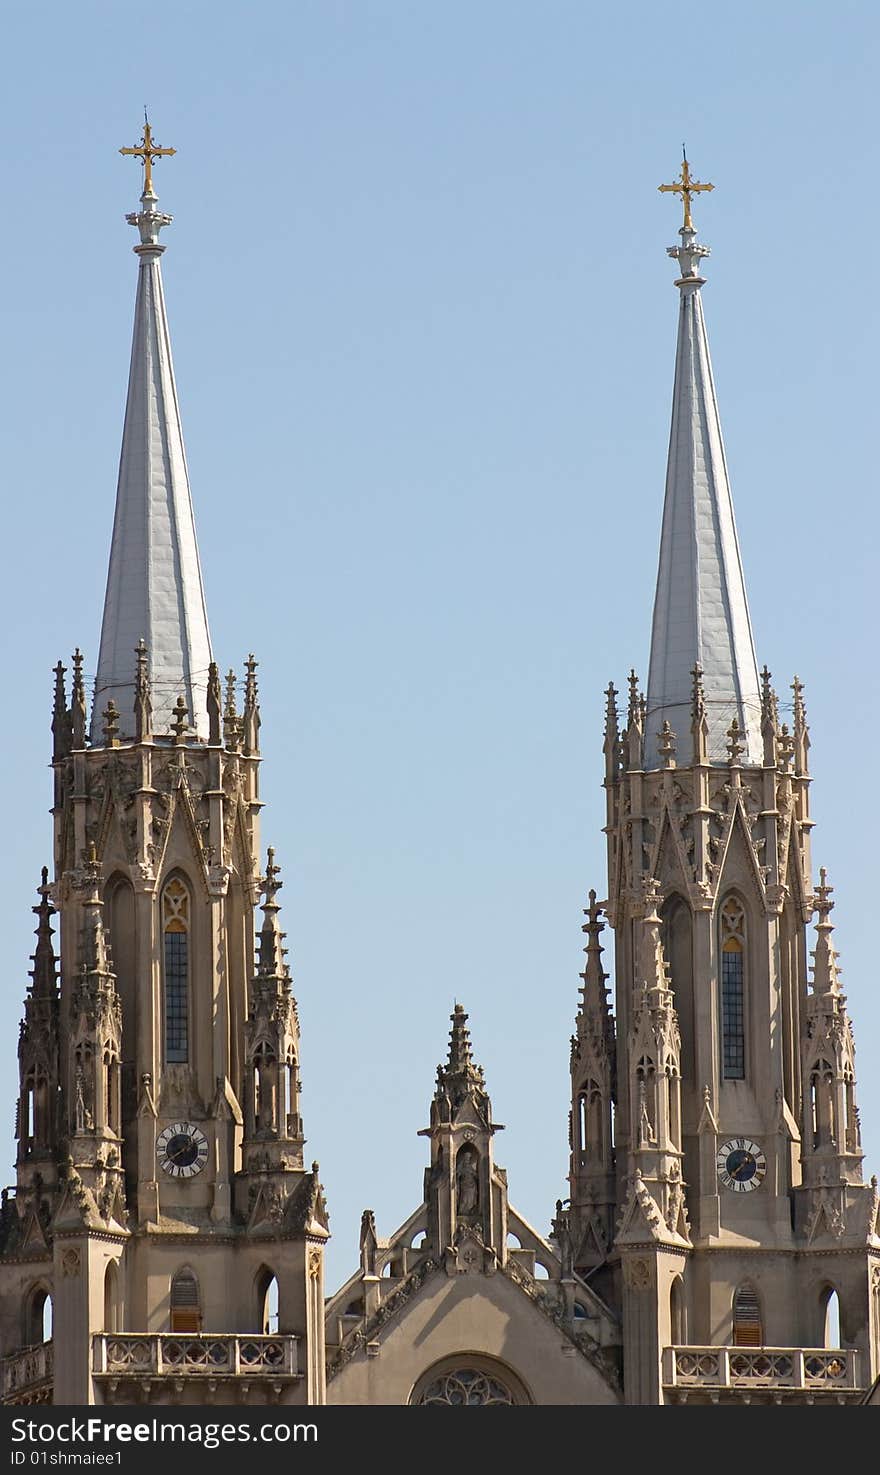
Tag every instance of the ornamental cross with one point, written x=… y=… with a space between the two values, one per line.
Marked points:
x=685 y=186
x=148 y=151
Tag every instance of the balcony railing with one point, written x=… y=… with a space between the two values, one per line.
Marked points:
x=815 y=1368
x=145 y=1355
x=25 y=1370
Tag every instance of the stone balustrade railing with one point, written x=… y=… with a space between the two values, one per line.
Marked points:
x=764 y=1367
x=25 y=1369
x=139 y=1354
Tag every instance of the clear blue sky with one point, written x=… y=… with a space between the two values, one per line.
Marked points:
x=423 y=325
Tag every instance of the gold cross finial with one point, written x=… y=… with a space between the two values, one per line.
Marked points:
x=148 y=151
x=685 y=186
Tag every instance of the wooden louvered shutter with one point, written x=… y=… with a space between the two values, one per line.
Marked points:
x=186 y=1313
x=747 y=1328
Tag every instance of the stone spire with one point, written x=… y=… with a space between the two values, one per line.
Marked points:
x=465 y=1196
x=591 y=1140
x=154 y=583
x=831 y=1146
x=701 y=614
x=272 y=1047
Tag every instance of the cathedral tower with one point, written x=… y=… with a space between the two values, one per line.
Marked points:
x=732 y=1210
x=163 y=1206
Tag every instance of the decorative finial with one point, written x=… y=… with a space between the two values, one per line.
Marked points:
x=685 y=186
x=786 y=748
x=147 y=151
x=801 y=730
x=179 y=724
x=143 y=706
x=61 y=734
x=699 y=720
x=666 y=745
x=250 y=730
x=44 y=975
x=612 y=733
x=111 y=725
x=78 y=703
x=271 y=942
x=271 y=885
x=826 y=970
x=735 y=745
x=634 y=709
x=594 y=995
x=230 y=713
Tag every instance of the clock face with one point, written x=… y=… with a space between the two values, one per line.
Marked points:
x=182 y=1150
x=741 y=1165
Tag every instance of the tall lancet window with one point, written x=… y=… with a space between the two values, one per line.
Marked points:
x=733 y=956
x=175 y=927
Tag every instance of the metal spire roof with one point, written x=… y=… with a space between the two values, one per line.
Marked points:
x=701 y=614
x=154 y=583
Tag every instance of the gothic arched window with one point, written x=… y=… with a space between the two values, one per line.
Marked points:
x=748 y=1327
x=733 y=949
x=38 y=1317
x=175 y=930
x=186 y=1308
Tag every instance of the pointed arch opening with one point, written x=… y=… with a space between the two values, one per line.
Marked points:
x=677 y=1318
x=176 y=921
x=592 y=1116
x=112 y=1317
x=185 y=1302
x=37 y=1316
x=830 y=1307
x=267 y=1301
x=820 y=1109
x=733 y=989
x=748 y=1322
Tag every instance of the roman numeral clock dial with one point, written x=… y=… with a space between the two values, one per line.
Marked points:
x=741 y=1165
x=182 y=1150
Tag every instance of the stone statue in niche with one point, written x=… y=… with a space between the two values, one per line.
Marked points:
x=467 y=1184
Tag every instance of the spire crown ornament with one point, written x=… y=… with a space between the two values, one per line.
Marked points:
x=149 y=220
x=826 y=971
x=685 y=186
x=690 y=252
